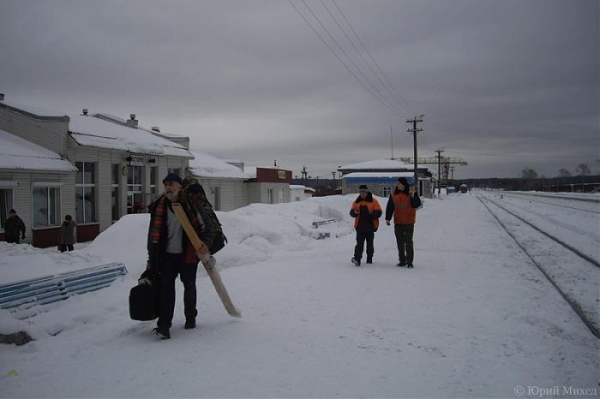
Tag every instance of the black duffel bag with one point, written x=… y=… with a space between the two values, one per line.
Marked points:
x=143 y=298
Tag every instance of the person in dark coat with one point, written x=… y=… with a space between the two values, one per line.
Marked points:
x=67 y=234
x=403 y=204
x=366 y=212
x=14 y=227
x=170 y=253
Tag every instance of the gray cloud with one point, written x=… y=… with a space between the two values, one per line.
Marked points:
x=504 y=84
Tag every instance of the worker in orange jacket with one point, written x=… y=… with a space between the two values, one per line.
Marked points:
x=366 y=212
x=403 y=204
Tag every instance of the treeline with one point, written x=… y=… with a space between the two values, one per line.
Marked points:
x=584 y=184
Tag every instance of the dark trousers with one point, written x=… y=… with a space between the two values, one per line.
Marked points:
x=12 y=239
x=64 y=247
x=361 y=237
x=404 y=240
x=173 y=265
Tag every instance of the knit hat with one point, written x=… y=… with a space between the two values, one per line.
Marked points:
x=172 y=177
x=363 y=188
x=403 y=181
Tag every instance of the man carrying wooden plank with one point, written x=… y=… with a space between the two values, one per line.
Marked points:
x=170 y=253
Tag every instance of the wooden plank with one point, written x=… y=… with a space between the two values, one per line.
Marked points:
x=202 y=250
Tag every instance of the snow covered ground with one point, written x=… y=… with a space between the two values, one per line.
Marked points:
x=474 y=318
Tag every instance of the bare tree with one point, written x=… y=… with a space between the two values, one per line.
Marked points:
x=564 y=173
x=528 y=174
x=583 y=170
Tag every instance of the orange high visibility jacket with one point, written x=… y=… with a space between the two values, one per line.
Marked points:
x=372 y=206
x=403 y=206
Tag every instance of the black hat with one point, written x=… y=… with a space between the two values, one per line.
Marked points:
x=172 y=177
x=403 y=181
x=363 y=188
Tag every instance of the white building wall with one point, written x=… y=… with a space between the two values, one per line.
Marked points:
x=233 y=192
x=259 y=192
x=22 y=184
x=49 y=132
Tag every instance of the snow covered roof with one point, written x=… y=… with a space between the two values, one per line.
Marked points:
x=91 y=131
x=206 y=165
x=378 y=164
x=250 y=171
x=377 y=174
x=300 y=187
x=34 y=111
x=17 y=153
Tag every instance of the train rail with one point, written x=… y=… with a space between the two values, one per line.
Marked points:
x=585 y=204
x=573 y=273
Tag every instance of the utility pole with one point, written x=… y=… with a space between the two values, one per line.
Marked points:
x=414 y=131
x=439 y=152
x=392 y=138
x=304 y=173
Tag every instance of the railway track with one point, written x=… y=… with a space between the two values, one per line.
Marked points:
x=589 y=205
x=574 y=274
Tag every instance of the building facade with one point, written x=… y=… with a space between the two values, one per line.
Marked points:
x=381 y=176
x=116 y=170
x=98 y=168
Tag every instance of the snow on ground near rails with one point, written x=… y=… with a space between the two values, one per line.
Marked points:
x=474 y=318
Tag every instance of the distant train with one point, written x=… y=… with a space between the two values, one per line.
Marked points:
x=463 y=188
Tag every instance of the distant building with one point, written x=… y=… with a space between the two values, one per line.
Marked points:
x=225 y=183
x=300 y=193
x=381 y=176
x=268 y=185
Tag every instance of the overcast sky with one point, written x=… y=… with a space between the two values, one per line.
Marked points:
x=503 y=84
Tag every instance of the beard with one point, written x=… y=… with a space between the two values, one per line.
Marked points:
x=172 y=196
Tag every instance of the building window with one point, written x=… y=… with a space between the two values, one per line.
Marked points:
x=386 y=192
x=46 y=202
x=269 y=196
x=177 y=171
x=6 y=204
x=135 y=197
x=215 y=200
x=153 y=180
x=85 y=192
x=114 y=185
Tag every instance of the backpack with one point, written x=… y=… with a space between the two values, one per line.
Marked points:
x=198 y=197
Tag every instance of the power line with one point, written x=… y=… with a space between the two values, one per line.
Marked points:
x=394 y=91
x=350 y=60
x=391 y=102
x=343 y=52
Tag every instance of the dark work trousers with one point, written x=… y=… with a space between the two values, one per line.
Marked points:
x=173 y=265
x=361 y=237
x=404 y=240
x=11 y=239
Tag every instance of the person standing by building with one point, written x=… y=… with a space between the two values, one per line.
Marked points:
x=170 y=254
x=366 y=212
x=403 y=204
x=67 y=234
x=14 y=227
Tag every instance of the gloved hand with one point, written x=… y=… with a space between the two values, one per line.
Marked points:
x=387 y=222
